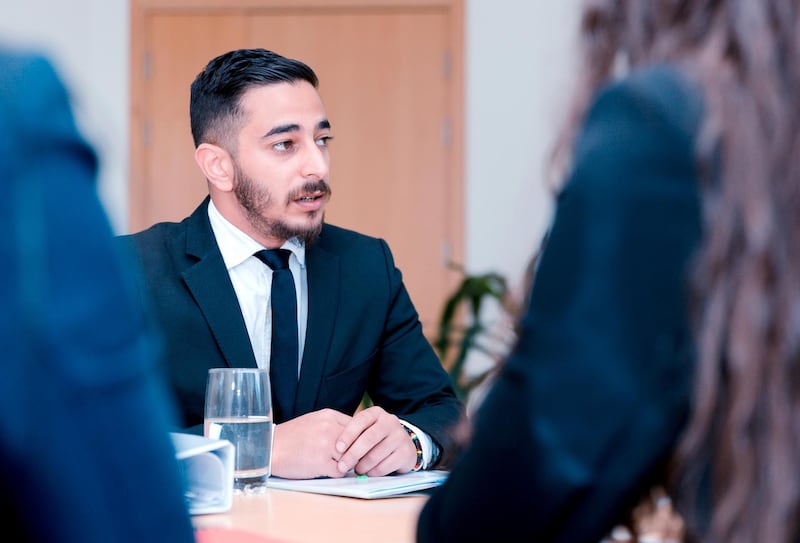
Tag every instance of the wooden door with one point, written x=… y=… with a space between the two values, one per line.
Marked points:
x=390 y=77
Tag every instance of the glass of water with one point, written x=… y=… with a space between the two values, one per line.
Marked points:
x=238 y=407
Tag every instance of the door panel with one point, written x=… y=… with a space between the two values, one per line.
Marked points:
x=181 y=46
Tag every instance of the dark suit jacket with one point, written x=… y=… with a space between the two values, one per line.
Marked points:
x=594 y=395
x=363 y=332
x=84 y=451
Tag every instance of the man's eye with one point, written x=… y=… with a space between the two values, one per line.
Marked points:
x=282 y=145
x=323 y=141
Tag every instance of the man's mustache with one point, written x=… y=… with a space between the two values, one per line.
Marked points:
x=311 y=188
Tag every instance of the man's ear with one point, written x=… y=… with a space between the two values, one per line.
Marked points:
x=216 y=164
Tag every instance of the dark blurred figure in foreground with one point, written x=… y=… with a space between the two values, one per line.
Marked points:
x=85 y=454
x=661 y=345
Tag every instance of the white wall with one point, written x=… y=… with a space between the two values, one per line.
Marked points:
x=517 y=71
x=518 y=67
x=88 y=42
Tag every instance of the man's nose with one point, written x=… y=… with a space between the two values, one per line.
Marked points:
x=316 y=162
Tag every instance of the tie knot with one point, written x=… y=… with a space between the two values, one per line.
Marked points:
x=277 y=259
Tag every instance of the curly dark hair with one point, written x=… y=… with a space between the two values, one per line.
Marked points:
x=735 y=470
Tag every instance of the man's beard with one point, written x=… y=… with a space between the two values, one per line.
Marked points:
x=257 y=200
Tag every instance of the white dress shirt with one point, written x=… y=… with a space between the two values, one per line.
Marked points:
x=252 y=282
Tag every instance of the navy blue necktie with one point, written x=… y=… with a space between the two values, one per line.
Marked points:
x=284 y=357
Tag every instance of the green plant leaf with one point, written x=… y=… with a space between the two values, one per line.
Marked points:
x=470 y=294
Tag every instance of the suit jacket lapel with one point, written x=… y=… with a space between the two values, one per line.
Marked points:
x=322 y=269
x=209 y=283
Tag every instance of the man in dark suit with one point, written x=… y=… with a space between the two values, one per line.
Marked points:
x=261 y=135
x=84 y=451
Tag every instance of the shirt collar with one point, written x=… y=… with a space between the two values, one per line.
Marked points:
x=236 y=246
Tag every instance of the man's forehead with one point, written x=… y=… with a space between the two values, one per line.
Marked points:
x=283 y=104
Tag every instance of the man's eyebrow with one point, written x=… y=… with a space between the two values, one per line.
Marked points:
x=293 y=127
x=282 y=129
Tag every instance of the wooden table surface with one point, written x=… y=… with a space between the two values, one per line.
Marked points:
x=302 y=517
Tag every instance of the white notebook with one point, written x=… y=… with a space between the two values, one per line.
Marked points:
x=365 y=487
